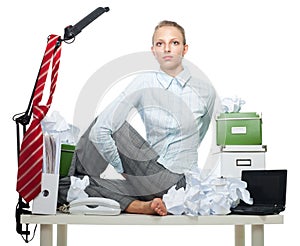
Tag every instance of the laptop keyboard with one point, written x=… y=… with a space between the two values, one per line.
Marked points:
x=255 y=210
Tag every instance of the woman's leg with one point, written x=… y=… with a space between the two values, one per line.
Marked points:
x=146 y=180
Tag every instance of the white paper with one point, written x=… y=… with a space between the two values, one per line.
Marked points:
x=212 y=196
x=51 y=153
x=77 y=187
x=56 y=124
x=232 y=104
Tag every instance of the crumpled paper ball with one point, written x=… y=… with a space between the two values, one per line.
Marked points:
x=212 y=196
x=232 y=104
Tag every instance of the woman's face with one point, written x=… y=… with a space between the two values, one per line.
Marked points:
x=168 y=49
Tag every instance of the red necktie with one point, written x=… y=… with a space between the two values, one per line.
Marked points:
x=31 y=154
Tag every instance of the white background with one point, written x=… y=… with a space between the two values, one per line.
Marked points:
x=246 y=48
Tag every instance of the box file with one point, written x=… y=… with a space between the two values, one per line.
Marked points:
x=66 y=156
x=46 y=201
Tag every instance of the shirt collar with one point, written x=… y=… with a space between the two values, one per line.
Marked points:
x=166 y=80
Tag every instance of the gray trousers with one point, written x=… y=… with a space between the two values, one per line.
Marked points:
x=145 y=177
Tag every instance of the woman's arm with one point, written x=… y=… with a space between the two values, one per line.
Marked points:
x=110 y=120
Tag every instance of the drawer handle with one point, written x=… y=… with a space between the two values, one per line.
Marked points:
x=243 y=162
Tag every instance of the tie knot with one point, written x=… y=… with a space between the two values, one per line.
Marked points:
x=39 y=112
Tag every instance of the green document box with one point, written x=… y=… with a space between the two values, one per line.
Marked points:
x=66 y=156
x=243 y=128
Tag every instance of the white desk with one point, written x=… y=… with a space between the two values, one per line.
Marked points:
x=62 y=220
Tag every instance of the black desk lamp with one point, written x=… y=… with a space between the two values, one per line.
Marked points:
x=23 y=118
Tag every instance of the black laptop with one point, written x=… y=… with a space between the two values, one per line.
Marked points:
x=268 y=190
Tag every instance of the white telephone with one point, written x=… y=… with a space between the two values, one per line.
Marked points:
x=95 y=206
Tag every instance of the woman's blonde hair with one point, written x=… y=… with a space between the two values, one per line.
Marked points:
x=170 y=23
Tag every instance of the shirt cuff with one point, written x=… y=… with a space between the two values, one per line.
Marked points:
x=118 y=166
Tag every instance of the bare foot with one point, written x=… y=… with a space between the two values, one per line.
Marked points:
x=156 y=206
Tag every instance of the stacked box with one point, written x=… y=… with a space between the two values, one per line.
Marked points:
x=243 y=128
x=235 y=158
x=239 y=136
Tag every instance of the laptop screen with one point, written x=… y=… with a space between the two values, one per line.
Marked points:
x=266 y=187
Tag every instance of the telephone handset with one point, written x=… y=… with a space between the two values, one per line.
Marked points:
x=95 y=206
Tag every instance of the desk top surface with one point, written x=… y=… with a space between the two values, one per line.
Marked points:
x=138 y=219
